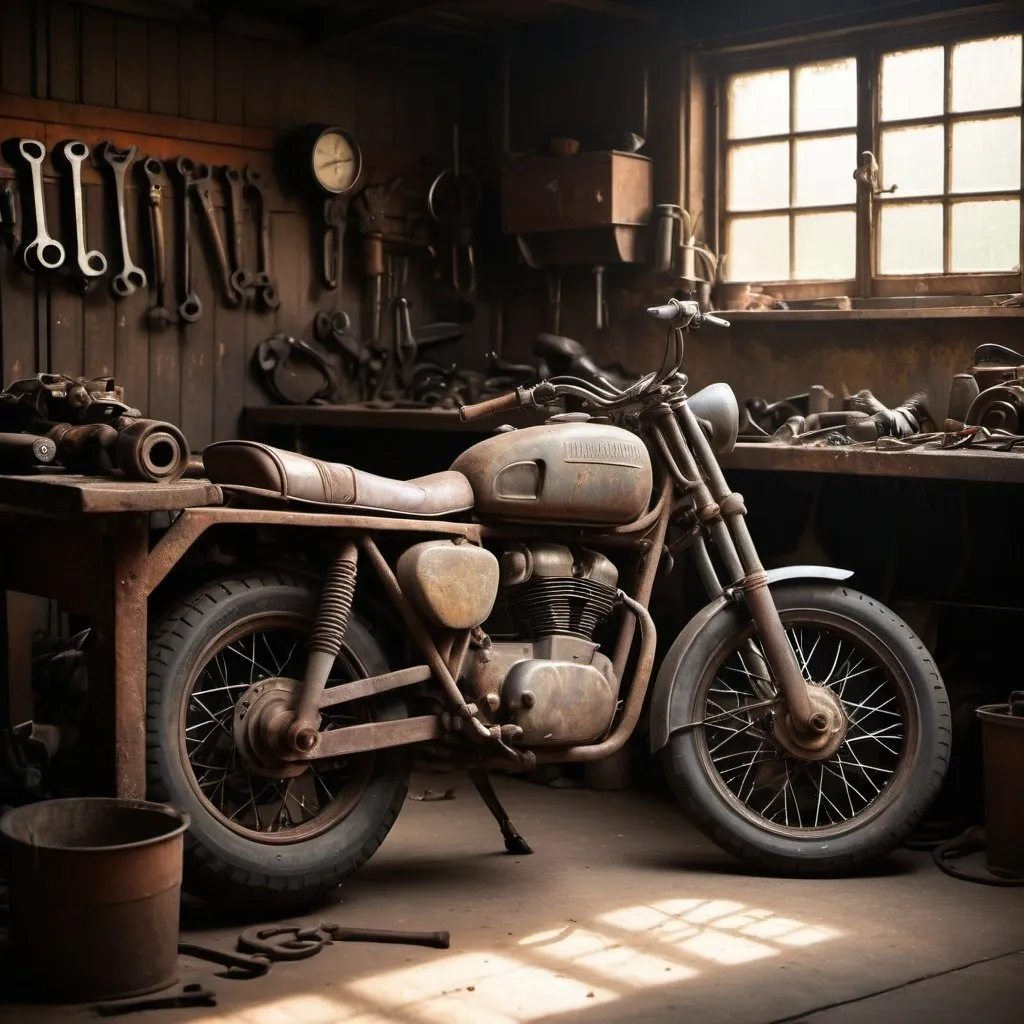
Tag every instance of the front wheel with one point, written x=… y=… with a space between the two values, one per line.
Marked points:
x=744 y=785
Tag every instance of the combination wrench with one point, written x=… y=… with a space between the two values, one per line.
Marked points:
x=132 y=276
x=201 y=180
x=262 y=280
x=241 y=279
x=91 y=262
x=44 y=252
x=191 y=309
x=159 y=314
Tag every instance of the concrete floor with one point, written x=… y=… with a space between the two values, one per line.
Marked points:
x=623 y=913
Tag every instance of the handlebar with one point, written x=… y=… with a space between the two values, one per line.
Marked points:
x=677 y=309
x=489 y=407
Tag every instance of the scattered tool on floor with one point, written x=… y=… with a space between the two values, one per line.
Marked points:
x=181 y=998
x=298 y=942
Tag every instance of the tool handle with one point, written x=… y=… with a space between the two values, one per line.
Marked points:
x=433 y=940
x=490 y=407
x=373 y=252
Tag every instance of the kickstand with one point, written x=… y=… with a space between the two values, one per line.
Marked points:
x=514 y=842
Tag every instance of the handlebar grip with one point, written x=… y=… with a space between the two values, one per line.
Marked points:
x=489 y=407
x=716 y=320
x=674 y=309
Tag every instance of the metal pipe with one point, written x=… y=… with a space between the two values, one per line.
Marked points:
x=706 y=569
x=634 y=702
x=648 y=519
x=372 y=685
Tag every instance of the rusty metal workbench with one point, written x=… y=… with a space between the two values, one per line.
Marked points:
x=85 y=543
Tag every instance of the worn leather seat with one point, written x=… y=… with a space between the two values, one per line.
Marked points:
x=253 y=467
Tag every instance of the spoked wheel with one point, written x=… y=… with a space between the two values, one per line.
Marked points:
x=747 y=780
x=262 y=835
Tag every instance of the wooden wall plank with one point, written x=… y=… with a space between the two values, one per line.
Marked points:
x=131 y=56
x=99 y=79
x=131 y=331
x=16 y=48
x=341 y=90
x=266 y=98
x=196 y=74
x=99 y=312
x=163 y=68
x=229 y=79
x=63 y=50
x=17 y=319
x=65 y=345
x=375 y=104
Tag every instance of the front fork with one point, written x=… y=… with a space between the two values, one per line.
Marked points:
x=722 y=511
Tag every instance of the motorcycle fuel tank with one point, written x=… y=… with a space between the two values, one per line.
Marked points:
x=560 y=472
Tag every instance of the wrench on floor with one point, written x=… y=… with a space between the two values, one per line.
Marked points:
x=201 y=184
x=191 y=309
x=132 y=276
x=91 y=262
x=159 y=314
x=262 y=280
x=241 y=279
x=44 y=252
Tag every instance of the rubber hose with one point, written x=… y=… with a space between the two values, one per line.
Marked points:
x=970 y=841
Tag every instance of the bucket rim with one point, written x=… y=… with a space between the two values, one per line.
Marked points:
x=181 y=816
x=1001 y=714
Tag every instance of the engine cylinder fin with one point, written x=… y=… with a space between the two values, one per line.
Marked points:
x=560 y=605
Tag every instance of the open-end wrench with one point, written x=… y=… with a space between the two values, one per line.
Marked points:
x=44 y=252
x=132 y=276
x=241 y=279
x=262 y=280
x=335 y=222
x=191 y=309
x=91 y=262
x=159 y=314
x=201 y=186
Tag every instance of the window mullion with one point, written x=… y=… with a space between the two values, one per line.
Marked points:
x=792 y=173
x=868 y=70
x=947 y=181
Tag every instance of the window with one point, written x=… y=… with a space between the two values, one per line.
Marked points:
x=941 y=203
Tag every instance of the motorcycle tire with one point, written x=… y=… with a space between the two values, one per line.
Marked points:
x=729 y=774
x=234 y=632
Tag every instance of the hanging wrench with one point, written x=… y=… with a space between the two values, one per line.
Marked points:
x=44 y=252
x=263 y=282
x=132 y=276
x=91 y=263
x=159 y=315
x=241 y=279
x=335 y=222
x=201 y=186
x=191 y=309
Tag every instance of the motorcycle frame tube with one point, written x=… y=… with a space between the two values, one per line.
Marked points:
x=723 y=512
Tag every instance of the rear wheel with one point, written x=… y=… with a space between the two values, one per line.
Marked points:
x=743 y=778
x=261 y=837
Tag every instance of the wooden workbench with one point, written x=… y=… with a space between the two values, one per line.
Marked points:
x=85 y=543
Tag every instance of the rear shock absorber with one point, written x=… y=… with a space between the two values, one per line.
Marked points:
x=324 y=646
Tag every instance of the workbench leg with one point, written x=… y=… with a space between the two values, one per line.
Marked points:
x=130 y=539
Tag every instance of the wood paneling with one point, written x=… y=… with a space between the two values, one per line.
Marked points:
x=69 y=70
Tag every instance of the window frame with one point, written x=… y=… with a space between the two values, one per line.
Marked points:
x=867 y=48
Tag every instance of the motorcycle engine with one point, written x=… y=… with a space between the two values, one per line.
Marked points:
x=553 y=682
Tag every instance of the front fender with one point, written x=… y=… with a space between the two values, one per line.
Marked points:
x=674 y=663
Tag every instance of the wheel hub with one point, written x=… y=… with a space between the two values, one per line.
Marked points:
x=829 y=727
x=261 y=722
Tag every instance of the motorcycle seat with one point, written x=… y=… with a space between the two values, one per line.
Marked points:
x=275 y=473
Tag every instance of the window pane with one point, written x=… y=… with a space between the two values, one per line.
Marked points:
x=912 y=84
x=986 y=155
x=758 y=104
x=986 y=235
x=913 y=160
x=758 y=249
x=910 y=240
x=824 y=171
x=826 y=95
x=759 y=177
x=826 y=246
x=986 y=74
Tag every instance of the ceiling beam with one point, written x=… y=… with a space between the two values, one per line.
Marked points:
x=372 y=16
x=613 y=8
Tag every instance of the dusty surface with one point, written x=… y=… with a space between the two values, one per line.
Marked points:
x=623 y=913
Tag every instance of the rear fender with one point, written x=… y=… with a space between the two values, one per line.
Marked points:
x=675 y=666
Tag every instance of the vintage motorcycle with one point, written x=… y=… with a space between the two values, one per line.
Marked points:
x=484 y=618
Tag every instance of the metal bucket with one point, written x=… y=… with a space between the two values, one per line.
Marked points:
x=1002 y=737
x=95 y=891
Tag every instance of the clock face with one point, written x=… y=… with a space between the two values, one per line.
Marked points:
x=336 y=161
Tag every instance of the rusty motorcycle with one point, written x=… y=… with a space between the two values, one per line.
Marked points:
x=485 y=618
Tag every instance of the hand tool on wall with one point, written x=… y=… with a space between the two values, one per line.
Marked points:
x=43 y=252
x=201 y=188
x=159 y=314
x=90 y=263
x=132 y=276
x=335 y=223
x=19 y=452
x=191 y=308
x=9 y=219
x=241 y=279
x=262 y=279
x=601 y=313
x=371 y=211
x=453 y=201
